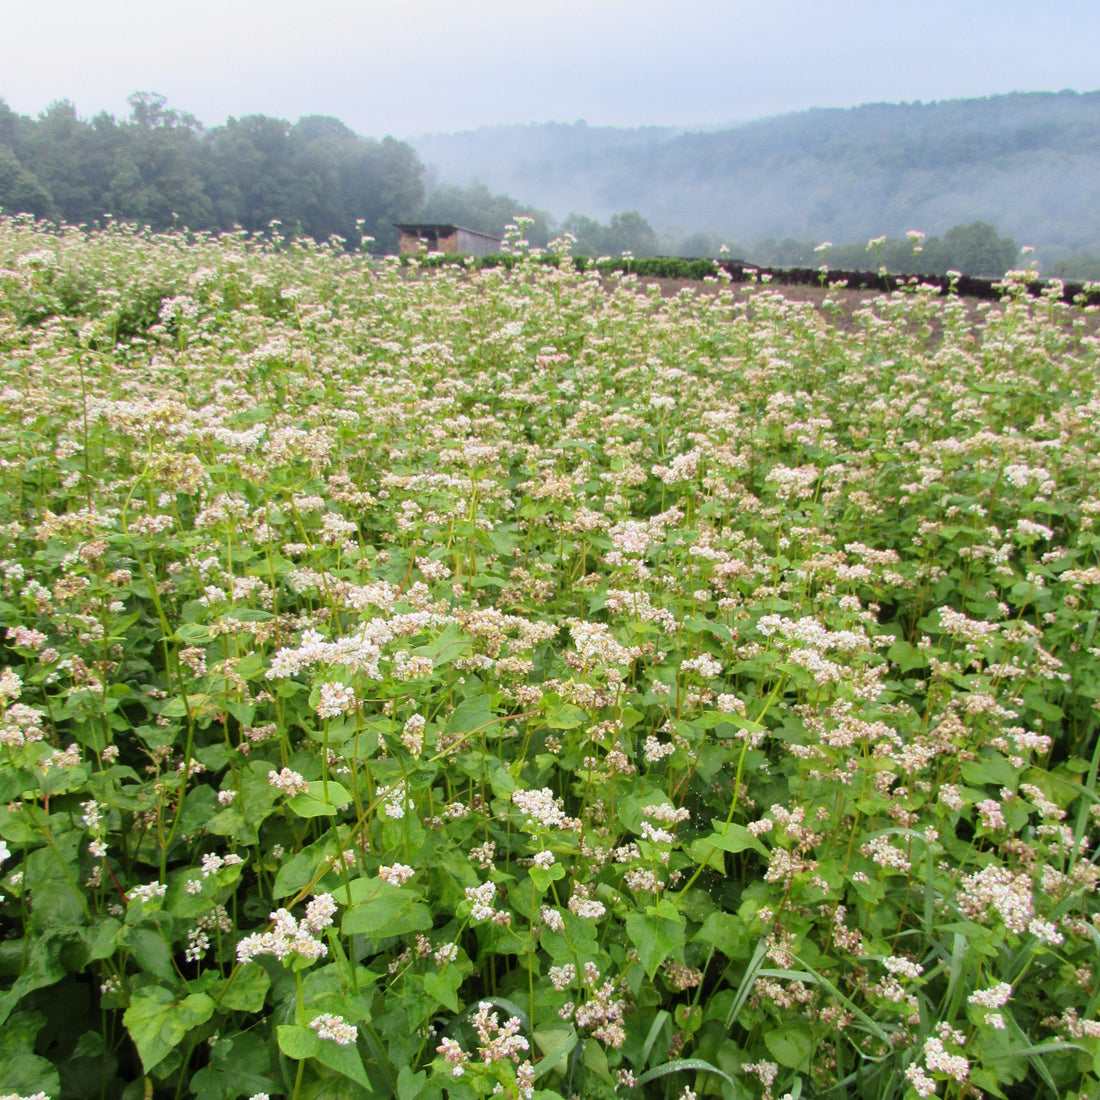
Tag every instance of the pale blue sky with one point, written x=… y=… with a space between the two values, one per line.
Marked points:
x=409 y=67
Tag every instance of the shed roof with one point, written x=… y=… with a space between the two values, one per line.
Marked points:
x=445 y=228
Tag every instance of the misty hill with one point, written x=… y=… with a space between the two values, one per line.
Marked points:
x=1029 y=163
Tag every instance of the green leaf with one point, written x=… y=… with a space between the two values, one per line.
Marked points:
x=693 y=1065
x=731 y=838
x=556 y=1045
x=150 y=952
x=990 y=768
x=564 y=716
x=410 y=1085
x=157 y=1022
x=22 y=1072
x=444 y=986
x=245 y=989
x=542 y=877
x=250 y=615
x=345 y=1060
x=176 y=707
x=301 y=869
x=658 y=934
x=470 y=715
x=315 y=804
x=40 y=967
x=907 y=656
x=25 y=1073
x=240 y=1065
x=748 y=980
x=391 y=911
x=299 y=1042
x=724 y=931
x=595 y=1060
x=450 y=643
x=790 y=1046
x=234 y=822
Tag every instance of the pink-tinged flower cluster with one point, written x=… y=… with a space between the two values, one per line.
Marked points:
x=997 y=890
x=497 y=1043
x=288 y=781
x=289 y=937
x=396 y=874
x=481 y=904
x=602 y=1010
x=335 y=699
x=334 y=1028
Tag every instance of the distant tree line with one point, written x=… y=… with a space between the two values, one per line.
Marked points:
x=316 y=177
x=159 y=167
x=974 y=249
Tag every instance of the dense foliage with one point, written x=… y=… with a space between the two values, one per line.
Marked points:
x=446 y=682
x=160 y=168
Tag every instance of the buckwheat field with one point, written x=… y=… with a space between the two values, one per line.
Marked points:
x=427 y=682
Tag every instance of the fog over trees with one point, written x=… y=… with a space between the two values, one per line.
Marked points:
x=980 y=177
x=1027 y=164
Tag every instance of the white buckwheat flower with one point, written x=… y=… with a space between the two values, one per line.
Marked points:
x=335 y=1028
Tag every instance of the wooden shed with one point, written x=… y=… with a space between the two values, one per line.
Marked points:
x=442 y=237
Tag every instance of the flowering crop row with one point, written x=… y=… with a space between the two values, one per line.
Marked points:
x=452 y=683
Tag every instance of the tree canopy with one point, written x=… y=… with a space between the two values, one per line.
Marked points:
x=160 y=167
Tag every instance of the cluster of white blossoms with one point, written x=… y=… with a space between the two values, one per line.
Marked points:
x=793 y=482
x=960 y=626
x=412 y=734
x=395 y=800
x=497 y=1042
x=541 y=806
x=602 y=1010
x=684 y=467
x=655 y=749
x=900 y=965
x=359 y=653
x=481 y=904
x=291 y=937
x=334 y=1028
x=11 y=684
x=704 y=665
x=937 y=1059
x=396 y=874
x=146 y=892
x=585 y=906
x=595 y=643
x=996 y=997
x=335 y=699
x=881 y=851
x=997 y=890
x=288 y=781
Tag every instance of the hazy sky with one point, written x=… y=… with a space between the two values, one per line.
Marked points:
x=408 y=67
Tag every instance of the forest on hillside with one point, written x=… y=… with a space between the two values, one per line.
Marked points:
x=1028 y=164
x=981 y=177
